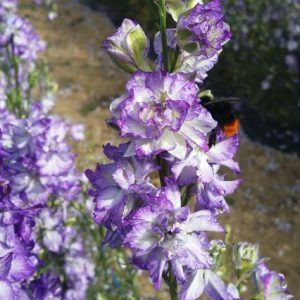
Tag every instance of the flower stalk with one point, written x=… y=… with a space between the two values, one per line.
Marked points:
x=172 y=284
x=175 y=59
x=169 y=130
x=18 y=96
x=163 y=30
x=171 y=280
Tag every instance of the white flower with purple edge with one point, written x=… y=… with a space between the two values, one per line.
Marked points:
x=205 y=281
x=161 y=112
x=27 y=44
x=116 y=185
x=201 y=168
x=194 y=66
x=202 y=31
x=163 y=233
x=271 y=284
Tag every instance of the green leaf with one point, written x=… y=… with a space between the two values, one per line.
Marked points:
x=137 y=43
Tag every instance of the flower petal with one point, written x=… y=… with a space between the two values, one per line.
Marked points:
x=195 y=286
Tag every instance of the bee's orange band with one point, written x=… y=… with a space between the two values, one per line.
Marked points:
x=230 y=129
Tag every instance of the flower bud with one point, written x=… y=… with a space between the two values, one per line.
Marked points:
x=217 y=248
x=245 y=256
x=128 y=47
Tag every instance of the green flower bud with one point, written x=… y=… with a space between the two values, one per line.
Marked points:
x=245 y=256
x=128 y=47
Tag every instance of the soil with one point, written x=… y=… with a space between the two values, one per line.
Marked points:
x=265 y=209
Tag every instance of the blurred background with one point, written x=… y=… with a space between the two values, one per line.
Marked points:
x=261 y=66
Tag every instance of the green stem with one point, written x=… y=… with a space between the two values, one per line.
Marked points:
x=172 y=284
x=103 y=259
x=15 y=64
x=163 y=30
x=164 y=170
x=176 y=55
x=9 y=61
x=161 y=173
x=239 y=281
x=187 y=194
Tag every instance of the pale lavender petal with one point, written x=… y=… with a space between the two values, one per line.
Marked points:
x=6 y=291
x=223 y=150
x=54 y=164
x=156 y=265
x=5 y=265
x=173 y=194
x=109 y=205
x=195 y=286
x=215 y=287
x=203 y=220
x=21 y=267
x=141 y=237
x=53 y=240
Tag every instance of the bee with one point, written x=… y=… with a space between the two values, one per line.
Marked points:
x=223 y=111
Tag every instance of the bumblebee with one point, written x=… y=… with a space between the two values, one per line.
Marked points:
x=223 y=111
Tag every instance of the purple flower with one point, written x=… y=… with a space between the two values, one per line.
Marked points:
x=204 y=281
x=7 y=291
x=80 y=271
x=47 y=286
x=161 y=112
x=17 y=263
x=7 y=11
x=27 y=44
x=41 y=162
x=198 y=66
x=25 y=184
x=203 y=31
x=8 y=6
x=55 y=227
x=272 y=284
x=116 y=185
x=201 y=168
x=194 y=66
x=163 y=233
x=51 y=223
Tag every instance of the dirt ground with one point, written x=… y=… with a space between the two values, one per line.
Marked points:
x=265 y=209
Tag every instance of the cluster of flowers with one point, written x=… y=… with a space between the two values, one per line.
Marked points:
x=35 y=164
x=18 y=43
x=63 y=249
x=38 y=180
x=171 y=134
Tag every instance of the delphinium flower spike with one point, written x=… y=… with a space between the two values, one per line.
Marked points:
x=171 y=134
